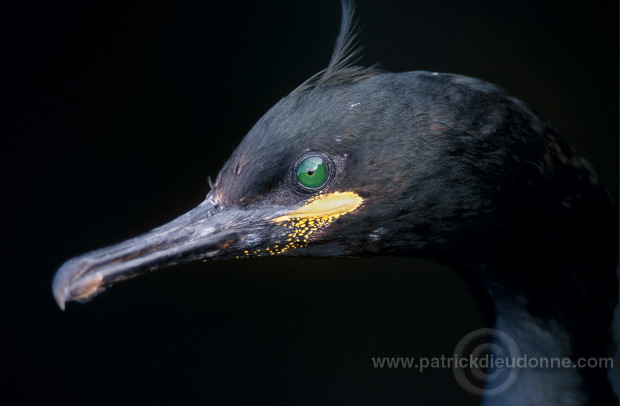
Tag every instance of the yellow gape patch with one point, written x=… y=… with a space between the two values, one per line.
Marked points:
x=315 y=215
x=325 y=207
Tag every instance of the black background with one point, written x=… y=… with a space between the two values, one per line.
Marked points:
x=115 y=114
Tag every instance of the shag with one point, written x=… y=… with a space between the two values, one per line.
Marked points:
x=361 y=162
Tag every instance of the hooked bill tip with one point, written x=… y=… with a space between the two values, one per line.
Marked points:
x=72 y=282
x=59 y=291
x=60 y=300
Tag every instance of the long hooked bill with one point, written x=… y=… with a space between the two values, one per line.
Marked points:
x=208 y=231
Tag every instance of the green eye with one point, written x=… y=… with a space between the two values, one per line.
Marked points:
x=312 y=172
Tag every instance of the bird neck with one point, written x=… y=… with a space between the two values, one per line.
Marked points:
x=567 y=316
x=549 y=280
x=536 y=340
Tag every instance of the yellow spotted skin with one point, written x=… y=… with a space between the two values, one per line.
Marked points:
x=300 y=232
x=318 y=212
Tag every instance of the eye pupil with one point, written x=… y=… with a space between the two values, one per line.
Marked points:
x=312 y=172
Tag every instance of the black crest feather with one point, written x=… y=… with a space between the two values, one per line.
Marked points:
x=341 y=67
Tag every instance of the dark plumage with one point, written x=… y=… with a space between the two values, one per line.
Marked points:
x=434 y=165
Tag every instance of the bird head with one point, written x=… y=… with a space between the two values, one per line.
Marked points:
x=355 y=162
